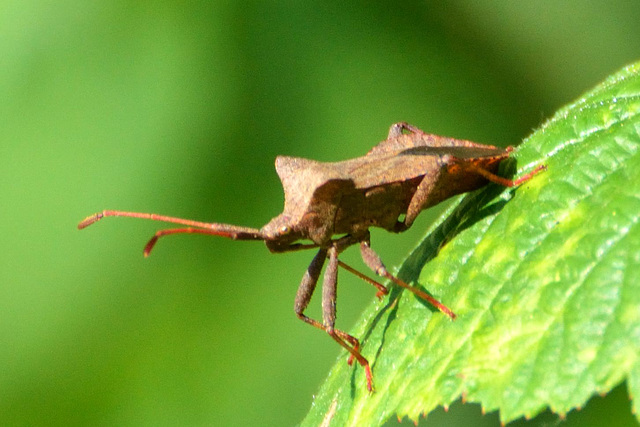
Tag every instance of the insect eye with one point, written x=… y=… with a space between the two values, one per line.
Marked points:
x=285 y=229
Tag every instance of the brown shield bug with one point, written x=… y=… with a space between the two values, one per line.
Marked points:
x=387 y=188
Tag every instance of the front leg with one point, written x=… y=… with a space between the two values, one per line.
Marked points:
x=329 y=288
x=308 y=285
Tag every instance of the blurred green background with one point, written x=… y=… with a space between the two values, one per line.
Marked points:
x=180 y=108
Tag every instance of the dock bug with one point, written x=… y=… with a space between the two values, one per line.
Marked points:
x=387 y=188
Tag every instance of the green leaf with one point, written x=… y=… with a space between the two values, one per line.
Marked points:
x=544 y=279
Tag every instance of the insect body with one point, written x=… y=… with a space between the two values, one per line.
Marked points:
x=387 y=188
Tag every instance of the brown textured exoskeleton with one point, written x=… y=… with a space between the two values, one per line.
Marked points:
x=387 y=188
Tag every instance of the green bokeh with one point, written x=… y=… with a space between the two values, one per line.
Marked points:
x=181 y=109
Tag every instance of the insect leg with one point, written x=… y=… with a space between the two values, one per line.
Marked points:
x=375 y=263
x=500 y=180
x=343 y=243
x=492 y=177
x=419 y=199
x=382 y=290
x=307 y=286
x=329 y=288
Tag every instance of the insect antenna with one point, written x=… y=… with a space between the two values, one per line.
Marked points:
x=229 y=231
